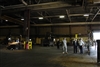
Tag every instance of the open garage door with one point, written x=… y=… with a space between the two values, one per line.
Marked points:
x=96 y=35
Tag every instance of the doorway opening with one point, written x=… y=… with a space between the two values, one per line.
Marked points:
x=96 y=35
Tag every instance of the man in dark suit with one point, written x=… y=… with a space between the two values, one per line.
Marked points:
x=75 y=45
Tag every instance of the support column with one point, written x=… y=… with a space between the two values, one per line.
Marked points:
x=27 y=24
x=70 y=32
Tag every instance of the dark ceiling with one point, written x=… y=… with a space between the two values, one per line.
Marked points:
x=11 y=12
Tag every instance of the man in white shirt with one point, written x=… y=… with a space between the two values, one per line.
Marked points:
x=81 y=43
x=64 y=45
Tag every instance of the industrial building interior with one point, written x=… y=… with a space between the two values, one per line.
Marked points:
x=41 y=21
x=79 y=11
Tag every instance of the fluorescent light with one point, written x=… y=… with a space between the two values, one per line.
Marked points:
x=6 y=20
x=30 y=39
x=22 y=19
x=86 y=15
x=40 y=17
x=62 y=16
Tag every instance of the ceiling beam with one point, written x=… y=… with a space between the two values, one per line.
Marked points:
x=95 y=15
x=44 y=17
x=64 y=24
x=68 y=15
x=96 y=1
x=13 y=26
x=38 y=1
x=59 y=24
x=38 y=6
x=13 y=20
x=24 y=2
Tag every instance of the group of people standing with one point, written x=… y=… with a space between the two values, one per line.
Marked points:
x=77 y=45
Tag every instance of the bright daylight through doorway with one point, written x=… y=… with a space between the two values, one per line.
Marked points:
x=96 y=35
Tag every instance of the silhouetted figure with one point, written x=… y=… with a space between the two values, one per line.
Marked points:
x=58 y=43
x=75 y=45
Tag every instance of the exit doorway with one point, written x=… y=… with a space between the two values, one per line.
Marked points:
x=96 y=35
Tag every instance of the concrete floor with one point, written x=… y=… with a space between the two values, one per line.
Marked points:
x=41 y=56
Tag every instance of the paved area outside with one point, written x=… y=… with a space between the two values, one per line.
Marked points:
x=41 y=56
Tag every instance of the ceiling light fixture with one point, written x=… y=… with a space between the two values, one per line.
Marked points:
x=6 y=20
x=40 y=18
x=22 y=19
x=62 y=16
x=86 y=15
